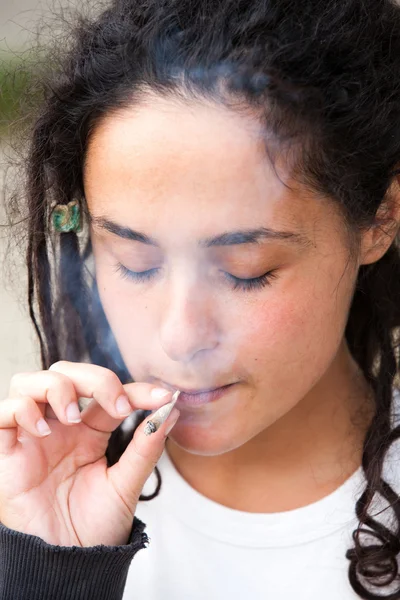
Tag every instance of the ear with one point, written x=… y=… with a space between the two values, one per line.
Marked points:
x=377 y=239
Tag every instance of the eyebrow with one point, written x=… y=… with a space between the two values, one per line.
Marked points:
x=229 y=238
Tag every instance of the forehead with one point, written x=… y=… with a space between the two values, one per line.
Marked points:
x=165 y=158
x=185 y=141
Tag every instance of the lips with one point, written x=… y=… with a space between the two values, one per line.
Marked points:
x=191 y=391
x=202 y=397
x=194 y=397
x=197 y=391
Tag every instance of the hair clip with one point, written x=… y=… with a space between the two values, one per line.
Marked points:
x=67 y=217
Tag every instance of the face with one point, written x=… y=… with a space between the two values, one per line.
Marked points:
x=210 y=270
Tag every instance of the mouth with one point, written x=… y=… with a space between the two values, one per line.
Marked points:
x=198 y=397
x=195 y=392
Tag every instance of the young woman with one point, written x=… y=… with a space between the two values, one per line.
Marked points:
x=232 y=168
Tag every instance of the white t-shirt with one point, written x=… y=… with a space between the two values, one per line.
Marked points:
x=202 y=550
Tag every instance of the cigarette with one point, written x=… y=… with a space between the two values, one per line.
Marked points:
x=160 y=416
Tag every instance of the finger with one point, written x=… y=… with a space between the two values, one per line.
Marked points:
x=64 y=382
x=99 y=383
x=141 y=395
x=103 y=385
x=20 y=412
x=47 y=388
x=136 y=464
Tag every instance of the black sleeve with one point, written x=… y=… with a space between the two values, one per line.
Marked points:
x=31 y=569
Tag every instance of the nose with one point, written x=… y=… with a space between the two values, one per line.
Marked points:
x=188 y=325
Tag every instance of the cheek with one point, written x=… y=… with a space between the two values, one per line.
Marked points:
x=296 y=327
x=120 y=306
x=277 y=326
x=128 y=318
x=129 y=327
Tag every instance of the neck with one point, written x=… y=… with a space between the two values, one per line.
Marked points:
x=301 y=458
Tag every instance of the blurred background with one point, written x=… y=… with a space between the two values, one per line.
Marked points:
x=18 y=346
x=17 y=19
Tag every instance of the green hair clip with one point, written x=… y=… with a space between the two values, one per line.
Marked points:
x=67 y=217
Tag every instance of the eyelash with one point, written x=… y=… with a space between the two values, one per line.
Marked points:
x=242 y=284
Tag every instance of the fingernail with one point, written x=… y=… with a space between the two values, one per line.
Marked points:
x=158 y=393
x=42 y=427
x=123 y=406
x=73 y=413
x=175 y=414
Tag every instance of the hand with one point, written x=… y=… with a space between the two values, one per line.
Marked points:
x=57 y=486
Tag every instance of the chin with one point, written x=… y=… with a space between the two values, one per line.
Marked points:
x=203 y=441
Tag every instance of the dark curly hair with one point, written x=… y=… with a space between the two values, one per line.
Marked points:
x=324 y=77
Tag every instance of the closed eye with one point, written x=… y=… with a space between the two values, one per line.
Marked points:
x=251 y=284
x=237 y=282
x=134 y=275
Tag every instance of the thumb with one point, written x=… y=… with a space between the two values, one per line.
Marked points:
x=136 y=464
